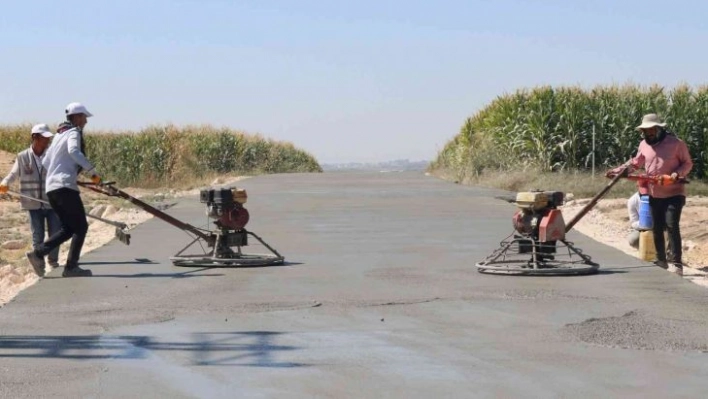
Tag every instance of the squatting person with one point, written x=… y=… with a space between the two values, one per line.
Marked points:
x=633 y=211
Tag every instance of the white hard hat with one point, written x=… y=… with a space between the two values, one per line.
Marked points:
x=77 y=108
x=42 y=129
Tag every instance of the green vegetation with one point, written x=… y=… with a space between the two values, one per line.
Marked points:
x=543 y=131
x=581 y=183
x=170 y=155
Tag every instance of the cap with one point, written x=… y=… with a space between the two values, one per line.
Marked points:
x=77 y=108
x=42 y=129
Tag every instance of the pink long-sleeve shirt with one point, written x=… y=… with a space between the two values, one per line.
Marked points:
x=664 y=158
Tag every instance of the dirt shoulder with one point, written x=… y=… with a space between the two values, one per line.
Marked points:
x=608 y=223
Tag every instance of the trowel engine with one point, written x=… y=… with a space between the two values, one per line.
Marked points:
x=226 y=207
x=539 y=220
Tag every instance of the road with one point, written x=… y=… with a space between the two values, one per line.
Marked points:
x=379 y=298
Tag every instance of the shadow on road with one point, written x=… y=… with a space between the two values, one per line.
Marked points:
x=217 y=266
x=611 y=271
x=284 y=264
x=144 y=261
x=630 y=267
x=185 y=274
x=250 y=348
x=137 y=261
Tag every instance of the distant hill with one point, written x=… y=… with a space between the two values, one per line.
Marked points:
x=398 y=165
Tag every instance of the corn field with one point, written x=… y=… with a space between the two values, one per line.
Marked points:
x=551 y=129
x=160 y=155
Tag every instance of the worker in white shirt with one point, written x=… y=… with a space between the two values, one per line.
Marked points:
x=633 y=204
x=64 y=160
x=28 y=168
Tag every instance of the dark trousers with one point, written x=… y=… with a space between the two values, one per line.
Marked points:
x=68 y=206
x=666 y=215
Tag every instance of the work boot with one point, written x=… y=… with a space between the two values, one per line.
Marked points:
x=678 y=268
x=662 y=264
x=36 y=262
x=54 y=264
x=76 y=272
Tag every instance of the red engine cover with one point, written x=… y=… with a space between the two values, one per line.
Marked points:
x=552 y=227
x=522 y=222
x=235 y=219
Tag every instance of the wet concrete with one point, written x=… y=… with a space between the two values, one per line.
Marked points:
x=379 y=297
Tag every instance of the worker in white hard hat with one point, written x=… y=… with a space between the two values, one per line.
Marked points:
x=31 y=174
x=64 y=160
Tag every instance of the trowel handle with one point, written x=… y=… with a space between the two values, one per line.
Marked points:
x=595 y=199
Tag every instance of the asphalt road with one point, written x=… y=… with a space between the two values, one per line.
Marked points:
x=379 y=298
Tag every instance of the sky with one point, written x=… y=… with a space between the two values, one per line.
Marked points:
x=354 y=81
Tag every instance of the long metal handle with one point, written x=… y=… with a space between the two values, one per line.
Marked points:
x=108 y=189
x=595 y=200
x=28 y=197
x=100 y=219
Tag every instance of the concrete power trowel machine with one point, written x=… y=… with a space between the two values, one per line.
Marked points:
x=538 y=244
x=220 y=247
x=225 y=206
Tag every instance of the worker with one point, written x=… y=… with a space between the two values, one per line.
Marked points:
x=28 y=168
x=65 y=159
x=661 y=153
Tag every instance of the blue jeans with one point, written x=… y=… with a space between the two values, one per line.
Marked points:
x=39 y=218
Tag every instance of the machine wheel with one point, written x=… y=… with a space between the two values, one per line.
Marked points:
x=518 y=255
x=515 y=268
x=225 y=255
x=244 y=260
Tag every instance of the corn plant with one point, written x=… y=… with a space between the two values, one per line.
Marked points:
x=551 y=129
x=161 y=155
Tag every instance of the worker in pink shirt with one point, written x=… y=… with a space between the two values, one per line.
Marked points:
x=662 y=153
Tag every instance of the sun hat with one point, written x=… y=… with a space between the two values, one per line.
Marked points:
x=649 y=121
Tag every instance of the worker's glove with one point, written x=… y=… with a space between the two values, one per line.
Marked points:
x=665 y=180
x=96 y=179
x=624 y=171
x=612 y=173
x=3 y=188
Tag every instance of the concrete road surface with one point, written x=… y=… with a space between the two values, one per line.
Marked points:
x=379 y=298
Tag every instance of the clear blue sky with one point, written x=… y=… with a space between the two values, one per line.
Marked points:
x=348 y=81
